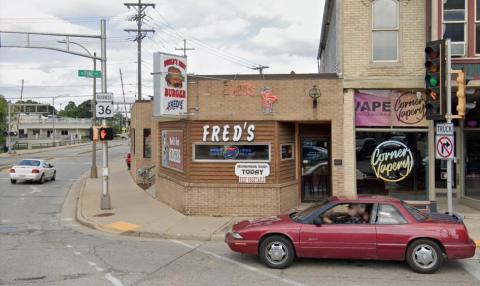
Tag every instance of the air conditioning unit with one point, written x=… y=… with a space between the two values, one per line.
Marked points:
x=458 y=49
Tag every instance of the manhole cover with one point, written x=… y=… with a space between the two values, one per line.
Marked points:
x=104 y=215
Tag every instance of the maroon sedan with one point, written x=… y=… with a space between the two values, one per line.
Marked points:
x=364 y=228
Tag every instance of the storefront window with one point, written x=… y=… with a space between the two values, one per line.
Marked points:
x=230 y=152
x=472 y=164
x=286 y=151
x=147 y=144
x=392 y=163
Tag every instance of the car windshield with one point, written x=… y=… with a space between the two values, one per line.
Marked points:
x=418 y=215
x=29 y=163
x=308 y=211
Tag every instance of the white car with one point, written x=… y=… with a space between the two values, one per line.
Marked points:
x=32 y=170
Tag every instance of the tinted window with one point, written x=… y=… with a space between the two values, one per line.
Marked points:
x=388 y=214
x=418 y=215
x=29 y=163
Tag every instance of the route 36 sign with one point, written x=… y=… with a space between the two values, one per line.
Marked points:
x=104 y=110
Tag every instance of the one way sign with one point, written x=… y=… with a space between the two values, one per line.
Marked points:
x=444 y=147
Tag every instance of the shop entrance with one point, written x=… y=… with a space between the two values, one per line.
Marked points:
x=315 y=162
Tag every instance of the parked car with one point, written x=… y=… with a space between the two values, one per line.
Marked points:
x=32 y=170
x=369 y=227
x=128 y=160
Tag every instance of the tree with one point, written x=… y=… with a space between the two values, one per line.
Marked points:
x=70 y=110
x=3 y=118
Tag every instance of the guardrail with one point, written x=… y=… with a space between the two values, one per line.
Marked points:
x=52 y=144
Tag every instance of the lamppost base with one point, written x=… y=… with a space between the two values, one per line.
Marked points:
x=93 y=172
x=105 y=202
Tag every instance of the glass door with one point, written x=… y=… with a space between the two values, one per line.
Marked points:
x=315 y=169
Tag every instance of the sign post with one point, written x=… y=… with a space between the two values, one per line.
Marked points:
x=448 y=116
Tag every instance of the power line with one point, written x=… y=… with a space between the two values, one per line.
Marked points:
x=141 y=33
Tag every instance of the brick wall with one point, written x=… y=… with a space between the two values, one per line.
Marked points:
x=141 y=119
x=360 y=71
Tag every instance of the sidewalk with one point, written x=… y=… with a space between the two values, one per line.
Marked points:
x=135 y=213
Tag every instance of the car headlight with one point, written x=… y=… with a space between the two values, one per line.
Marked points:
x=237 y=235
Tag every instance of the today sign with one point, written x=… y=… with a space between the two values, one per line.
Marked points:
x=252 y=172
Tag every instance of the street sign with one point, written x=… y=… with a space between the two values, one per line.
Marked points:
x=104 y=109
x=444 y=147
x=104 y=97
x=444 y=129
x=90 y=73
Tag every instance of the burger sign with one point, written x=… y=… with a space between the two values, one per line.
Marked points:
x=169 y=84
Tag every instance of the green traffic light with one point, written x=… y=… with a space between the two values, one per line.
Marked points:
x=431 y=80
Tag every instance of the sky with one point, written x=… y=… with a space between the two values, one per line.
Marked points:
x=229 y=37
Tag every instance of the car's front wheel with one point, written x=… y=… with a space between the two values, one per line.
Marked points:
x=277 y=252
x=424 y=256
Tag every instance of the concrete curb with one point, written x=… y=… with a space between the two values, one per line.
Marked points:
x=80 y=217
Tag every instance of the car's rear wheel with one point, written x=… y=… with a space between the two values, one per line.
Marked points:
x=13 y=181
x=277 y=252
x=424 y=256
x=42 y=179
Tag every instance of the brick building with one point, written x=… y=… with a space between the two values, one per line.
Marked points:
x=236 y=121
x=377 y=48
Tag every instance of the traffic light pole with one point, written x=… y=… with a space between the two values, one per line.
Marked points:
x=448 y=116
x=105 y=197
x=93 y=168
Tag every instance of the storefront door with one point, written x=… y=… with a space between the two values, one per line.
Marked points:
x=315 y=164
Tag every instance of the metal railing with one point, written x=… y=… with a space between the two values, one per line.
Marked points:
x=56 y=144
x=57 y=120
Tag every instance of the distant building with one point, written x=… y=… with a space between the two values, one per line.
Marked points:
x=35 y=130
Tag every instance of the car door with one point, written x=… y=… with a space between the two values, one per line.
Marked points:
x=47 y=170
x=355 y=241
x=393 y=232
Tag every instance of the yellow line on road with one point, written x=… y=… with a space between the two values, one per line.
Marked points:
x=122 y=226
x=477 y=242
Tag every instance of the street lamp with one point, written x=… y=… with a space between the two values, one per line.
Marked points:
x=93 y=168
x=314 y=93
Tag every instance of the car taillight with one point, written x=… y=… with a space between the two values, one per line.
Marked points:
x=12 y=170
x=35 y=171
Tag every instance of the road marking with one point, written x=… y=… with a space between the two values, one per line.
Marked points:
x=92 y=263
x=35 y=190
x=242 y=265
x=122 y=226
x=99 y=269
x=114 y=280
x=68 y=246
x=67 y=219
x=77 y=253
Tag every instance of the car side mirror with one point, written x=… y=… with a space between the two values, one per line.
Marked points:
x=317 y=221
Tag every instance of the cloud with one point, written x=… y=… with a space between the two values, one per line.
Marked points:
x=228 y=36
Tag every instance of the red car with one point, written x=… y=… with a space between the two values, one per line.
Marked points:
x=371 y=227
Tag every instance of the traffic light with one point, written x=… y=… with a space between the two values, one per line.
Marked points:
x=105 y=133
x=435 y=75
x=462 y=93
x=461 y=104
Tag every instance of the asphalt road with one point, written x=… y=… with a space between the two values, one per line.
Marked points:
x=39 y=246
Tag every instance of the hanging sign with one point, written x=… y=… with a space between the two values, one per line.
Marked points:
x=252 y=172
x=392 y=161
x=169 y=84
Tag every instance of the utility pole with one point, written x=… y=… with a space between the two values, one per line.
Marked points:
x=141 y=33
x=93 y=168
x=9 y=136
x=448 y=116
x=53 y=120
x=260 y=68
x=124 y=105
x=184 y=49
x=105 y=198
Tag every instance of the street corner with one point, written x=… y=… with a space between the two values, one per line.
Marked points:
x=121 y=226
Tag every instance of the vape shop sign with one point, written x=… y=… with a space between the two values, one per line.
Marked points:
x=254 y=173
